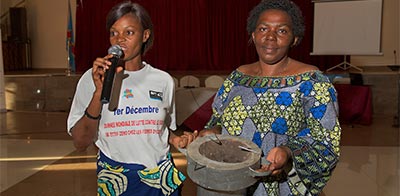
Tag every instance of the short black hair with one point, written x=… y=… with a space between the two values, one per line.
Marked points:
x=137 y=10
x=285 y=5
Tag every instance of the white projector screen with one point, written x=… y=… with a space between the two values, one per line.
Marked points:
x=351 y=27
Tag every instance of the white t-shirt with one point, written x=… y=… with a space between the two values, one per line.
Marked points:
x=137 y=131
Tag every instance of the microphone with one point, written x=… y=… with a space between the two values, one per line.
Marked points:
x=116 y=50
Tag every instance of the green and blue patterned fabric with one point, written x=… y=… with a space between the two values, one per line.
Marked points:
x=121 y=179
x=299 y=111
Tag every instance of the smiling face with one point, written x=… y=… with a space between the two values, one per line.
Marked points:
x=129 y=34
x=273 y=36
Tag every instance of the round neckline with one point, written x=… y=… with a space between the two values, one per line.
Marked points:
x=241 y=78
x=283 y=76
x=145 y=66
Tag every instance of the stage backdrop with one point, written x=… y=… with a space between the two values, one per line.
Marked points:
x=190 y=35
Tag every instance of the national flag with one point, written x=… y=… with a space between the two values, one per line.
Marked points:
x=70 y=41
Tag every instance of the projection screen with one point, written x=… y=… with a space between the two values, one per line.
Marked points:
x=350 y=27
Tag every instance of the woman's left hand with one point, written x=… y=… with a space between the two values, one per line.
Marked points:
x=279 y=158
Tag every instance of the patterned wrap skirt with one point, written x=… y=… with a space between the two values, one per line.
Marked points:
x=121 y=179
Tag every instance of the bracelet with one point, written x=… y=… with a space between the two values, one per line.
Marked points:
x=92 y=117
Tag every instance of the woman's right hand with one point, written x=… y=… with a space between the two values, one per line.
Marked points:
x=100 y=65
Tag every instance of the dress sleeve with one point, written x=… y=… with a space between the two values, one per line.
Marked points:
x=219 y=103
x=171 y=102
x=315 y=149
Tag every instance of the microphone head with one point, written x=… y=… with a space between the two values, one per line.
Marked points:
x=116 y=50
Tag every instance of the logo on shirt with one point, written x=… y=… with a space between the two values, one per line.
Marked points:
x=128 y=93
x=155 y=95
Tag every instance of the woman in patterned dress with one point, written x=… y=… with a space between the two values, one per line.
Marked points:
x=286 y=107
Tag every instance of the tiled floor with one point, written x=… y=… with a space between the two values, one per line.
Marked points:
x=37 y=158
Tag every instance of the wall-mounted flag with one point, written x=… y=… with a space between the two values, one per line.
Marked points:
x=70 y=41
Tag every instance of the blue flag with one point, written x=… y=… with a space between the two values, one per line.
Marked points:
x=70 y=41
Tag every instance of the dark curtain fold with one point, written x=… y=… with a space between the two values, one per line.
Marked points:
x=190 y=35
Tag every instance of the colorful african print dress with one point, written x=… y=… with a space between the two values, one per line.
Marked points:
x=299 y=111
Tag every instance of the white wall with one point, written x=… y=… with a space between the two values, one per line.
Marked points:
x=47 y=24
x=5 y=4
x=47 y=30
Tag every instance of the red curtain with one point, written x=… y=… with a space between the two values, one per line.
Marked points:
x=190 y=35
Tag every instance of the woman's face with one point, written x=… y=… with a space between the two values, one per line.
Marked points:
x=273 y=36
x=128 y=33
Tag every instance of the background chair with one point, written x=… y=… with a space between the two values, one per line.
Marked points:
x=214 y=81
x=189 y=81
x=176 y=82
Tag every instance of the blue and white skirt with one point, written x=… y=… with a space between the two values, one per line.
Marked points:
x=121 y=179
